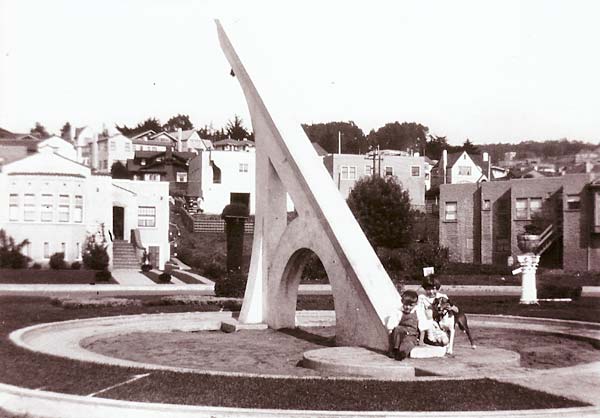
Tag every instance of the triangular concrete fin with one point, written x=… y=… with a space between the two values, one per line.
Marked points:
x=364 y=295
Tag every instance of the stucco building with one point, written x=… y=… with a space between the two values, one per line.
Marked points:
x=56 y=203
x=409 y=170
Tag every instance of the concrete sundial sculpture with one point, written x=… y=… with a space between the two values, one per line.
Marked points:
x=286 y=163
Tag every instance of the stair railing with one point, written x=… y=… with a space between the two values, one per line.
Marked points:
x=547 y=238
x=136 y=241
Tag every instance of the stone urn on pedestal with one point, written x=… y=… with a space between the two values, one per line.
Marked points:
x=528 y=243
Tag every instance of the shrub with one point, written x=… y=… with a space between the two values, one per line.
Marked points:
x=57 y=261
x=477 y=269
x=76 y=265
x=103 y=276
x=10 y=252
x=313 y=269
x=407 y=263
x=214 y=270
x=164 y=278
x=95 y=255
x=232 y=286
x=556 y=291
x=36 y=266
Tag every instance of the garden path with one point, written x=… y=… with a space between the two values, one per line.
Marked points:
x=131 y=278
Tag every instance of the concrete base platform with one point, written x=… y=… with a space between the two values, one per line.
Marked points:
x=232 y=325
x=358 y=361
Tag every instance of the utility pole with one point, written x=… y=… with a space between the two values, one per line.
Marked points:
x=339 y=142
x=376 y=157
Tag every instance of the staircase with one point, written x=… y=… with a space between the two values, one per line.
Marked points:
x=547 y=238
x=124 y=256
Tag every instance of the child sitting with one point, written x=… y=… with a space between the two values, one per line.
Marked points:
x=431 y=333
x=404 y=327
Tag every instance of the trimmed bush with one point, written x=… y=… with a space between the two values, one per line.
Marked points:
x=10 y=252
x=36 y=266
x=214 y=270
x=557 y=291
x=233 y=286
x=95 y=255
x=103 y=276
x=164 y=278
x=146 y=267
x=314 y=270
x=76 y=265
x=484 y=269
x=57 y=261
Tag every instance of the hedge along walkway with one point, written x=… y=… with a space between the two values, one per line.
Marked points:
x=204 y=389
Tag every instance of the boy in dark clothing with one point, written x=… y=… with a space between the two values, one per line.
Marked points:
x=404 y=325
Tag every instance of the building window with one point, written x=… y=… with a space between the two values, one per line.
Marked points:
x=182 y=177
x=47 y=208
x=243 y=167
x=573 y=202
x=368 y=170
x=152 y=177
x=127 y=147
x=147 y=216
x=29 y=207
x=78 y=212
x=63 y=208
x=464 y=170
x=526 y=207
x=348 y=172
x=450 y=212
x=415 y=171
x=46 y=250
x=13 y=207
x=486 y=204
x=389 y=171
x=113 y=146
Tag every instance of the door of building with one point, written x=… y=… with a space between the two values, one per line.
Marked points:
x=118 y=222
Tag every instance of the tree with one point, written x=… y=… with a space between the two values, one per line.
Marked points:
x=149 y=124
x=65 y=132
x=327 y=136
x=119 y=171
x=435 y=146
x=95 y=255
x=178 y=122
x=235 y=129
x=470 y=148
x=383 y=211
x=39 y=131
x=400 y=136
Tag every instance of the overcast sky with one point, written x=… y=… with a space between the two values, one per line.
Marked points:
x=485 y=70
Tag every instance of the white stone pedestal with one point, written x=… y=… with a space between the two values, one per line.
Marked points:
x=528 y=266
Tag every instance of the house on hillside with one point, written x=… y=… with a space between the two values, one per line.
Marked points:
x=409 y=171
x=86 y=147
x=190 y=141
x=57 y=203
x=171 y=166
x=461 y=167
x=153 y=141
x=221 y=177
x=112 y=149
x=14 y=149
x=233 y=145
x=479 y=223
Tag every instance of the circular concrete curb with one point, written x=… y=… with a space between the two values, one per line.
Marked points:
x=48 y=404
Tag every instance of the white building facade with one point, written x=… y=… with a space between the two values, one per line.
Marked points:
x=56 y=203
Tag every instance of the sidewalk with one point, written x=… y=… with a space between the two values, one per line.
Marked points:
x=131 y=278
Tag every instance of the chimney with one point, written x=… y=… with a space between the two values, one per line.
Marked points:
x=487 y=165
x=444 y=164
x=179 y=140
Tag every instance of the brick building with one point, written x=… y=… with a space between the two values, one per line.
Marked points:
x=479 y=223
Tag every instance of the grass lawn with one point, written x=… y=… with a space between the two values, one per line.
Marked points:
x=49 y=276
x=34 y=370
